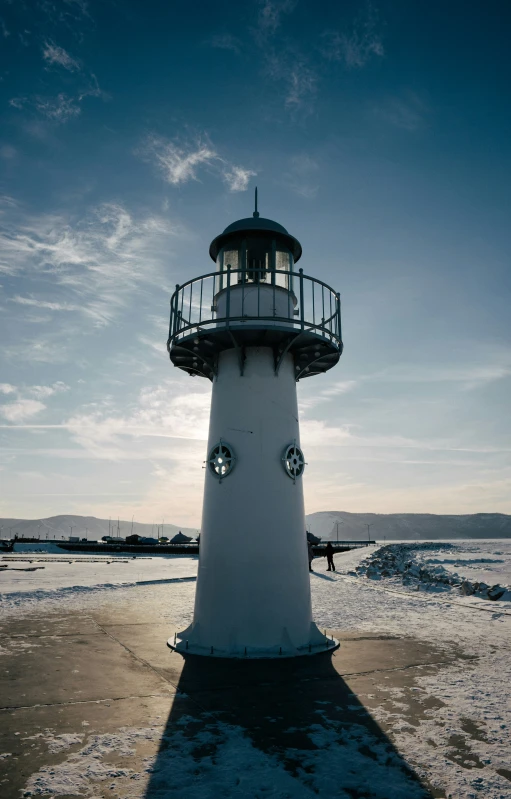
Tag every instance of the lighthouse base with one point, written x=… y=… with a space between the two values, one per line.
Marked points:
x=186 y=647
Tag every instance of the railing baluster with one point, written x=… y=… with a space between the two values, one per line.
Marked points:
x=200 y=301
x=323 y=305
x=176 y=300
x=302 y=325
x=228 y=303
x=172 y=322
x=243 y=289
x=190 y=312
x=313 y=305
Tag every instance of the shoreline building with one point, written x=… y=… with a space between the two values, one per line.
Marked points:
x=254 y=327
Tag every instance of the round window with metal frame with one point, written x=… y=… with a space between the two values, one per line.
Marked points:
x=293 y=461
x=221 y=460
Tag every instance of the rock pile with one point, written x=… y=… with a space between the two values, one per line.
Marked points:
x=400 y=562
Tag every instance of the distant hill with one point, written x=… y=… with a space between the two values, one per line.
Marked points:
x=401 y=526
x=83 y=526
x=407 y=526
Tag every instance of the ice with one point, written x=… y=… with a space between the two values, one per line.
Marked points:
x=74 y=571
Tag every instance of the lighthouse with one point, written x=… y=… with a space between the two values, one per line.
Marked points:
x=254 y=326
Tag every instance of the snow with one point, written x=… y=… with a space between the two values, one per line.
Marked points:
x=470 y=695
x=232 y=767
x=473 y=693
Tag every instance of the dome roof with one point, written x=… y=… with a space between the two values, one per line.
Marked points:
x=255 y=223
x=258 y=225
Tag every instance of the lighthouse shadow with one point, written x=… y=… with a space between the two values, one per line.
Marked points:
x=275 y=728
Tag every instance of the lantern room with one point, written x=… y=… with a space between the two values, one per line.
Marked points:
x=261 y=249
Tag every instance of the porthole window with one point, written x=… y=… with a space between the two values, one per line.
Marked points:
x=293 y=461
x=221 y=460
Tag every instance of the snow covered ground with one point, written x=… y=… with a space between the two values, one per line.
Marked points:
x=475 y=696
x=471 y=695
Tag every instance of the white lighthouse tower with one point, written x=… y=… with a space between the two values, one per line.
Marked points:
x=254 y=327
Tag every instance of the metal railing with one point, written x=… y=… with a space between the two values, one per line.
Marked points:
x=194 y=306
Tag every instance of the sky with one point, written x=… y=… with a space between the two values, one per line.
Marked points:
x=133 y=133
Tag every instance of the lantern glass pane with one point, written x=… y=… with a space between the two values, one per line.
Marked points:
x=231 y=259
x=283 y=263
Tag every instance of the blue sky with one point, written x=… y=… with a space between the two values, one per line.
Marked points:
x=132 y=133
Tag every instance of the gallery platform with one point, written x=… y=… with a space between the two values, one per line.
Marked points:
x=98 y=703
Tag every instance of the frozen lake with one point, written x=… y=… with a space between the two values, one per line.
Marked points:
x=57 y=570
x=486 y=561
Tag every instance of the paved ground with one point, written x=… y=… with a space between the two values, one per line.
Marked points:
x=109 y=681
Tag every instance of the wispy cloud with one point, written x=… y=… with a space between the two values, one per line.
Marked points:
x=7 y=201
x=63 y=107
x=315 y=432
x=67 y=12
x=355 y=48
x=58 y=109
x=47 y=305
x=237 y=178
x=340 y=387
x=462 y=377
x=408 y=112
x=180 y=162
x=42 y=392
x=225 y=41
x=160 y=412
x=296 y=76
x=53 y=54
x=92 y=265
x=469 y=377
x=21 y=409
x=28 y=400
x=289 y=63
x=270 y=15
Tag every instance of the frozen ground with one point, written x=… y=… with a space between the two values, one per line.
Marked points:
x=471 y=700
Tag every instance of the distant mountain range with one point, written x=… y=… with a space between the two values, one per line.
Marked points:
x=352 y=526
x=408 y=526
x=85 y=527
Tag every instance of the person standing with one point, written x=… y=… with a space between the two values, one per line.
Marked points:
x=329 y=552
x=310 y=554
